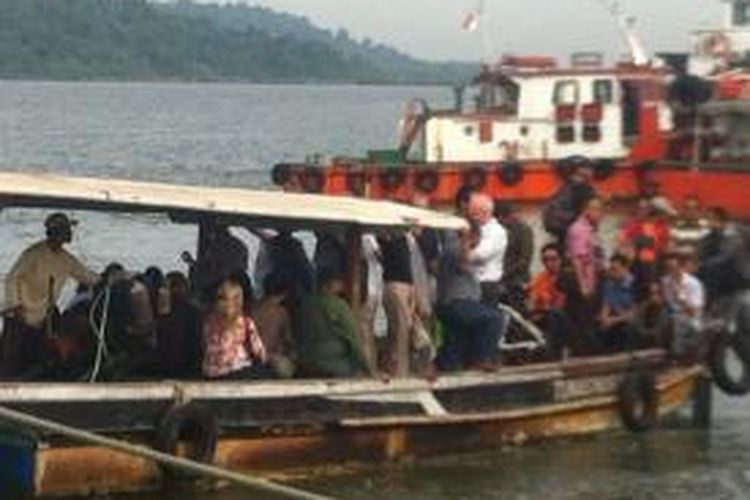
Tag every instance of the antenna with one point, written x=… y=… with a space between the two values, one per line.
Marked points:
x=626 y=25
x=476 y=22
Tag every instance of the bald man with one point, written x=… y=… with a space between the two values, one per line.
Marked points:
x=488 y=256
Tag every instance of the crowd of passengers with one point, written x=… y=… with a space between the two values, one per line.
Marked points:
x=442 y=294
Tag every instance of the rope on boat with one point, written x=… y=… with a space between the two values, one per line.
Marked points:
x=101 y=329
x=177 y=463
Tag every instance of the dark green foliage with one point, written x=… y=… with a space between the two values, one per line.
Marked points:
x=135 y=39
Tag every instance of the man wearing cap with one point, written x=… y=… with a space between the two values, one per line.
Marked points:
x=33 y=286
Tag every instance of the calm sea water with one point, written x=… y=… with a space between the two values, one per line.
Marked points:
x=230 y=135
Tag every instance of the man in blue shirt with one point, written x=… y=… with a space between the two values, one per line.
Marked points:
x=618 y=305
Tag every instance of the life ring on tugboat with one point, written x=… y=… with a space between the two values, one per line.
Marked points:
x=392 y=178
x=281 y=173
x=475 y=178
x=511 y=174
x=604 y=169
x=426 y=181
x=638 y=400
x=313 y=180
x=191 y=423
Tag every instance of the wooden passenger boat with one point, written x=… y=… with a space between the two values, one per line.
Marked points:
x=273 y=426
x=267 y=426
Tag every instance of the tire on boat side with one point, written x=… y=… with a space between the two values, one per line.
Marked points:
x=566 y=166
x=638 y=400
x=313 y=180
x=511 y=174
x=604 y=169
x=392 y=178
x=281 y=173
x=475 y=178
x=426 y=181
x=718 y=363
x=191 y=423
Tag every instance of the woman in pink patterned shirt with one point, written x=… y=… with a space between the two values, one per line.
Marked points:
x=232 y=346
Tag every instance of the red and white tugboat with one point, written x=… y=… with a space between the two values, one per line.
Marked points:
x=680 y=120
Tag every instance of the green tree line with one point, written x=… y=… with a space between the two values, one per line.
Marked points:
x=139 y=40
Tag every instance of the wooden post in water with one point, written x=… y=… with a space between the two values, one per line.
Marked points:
x=703 y=402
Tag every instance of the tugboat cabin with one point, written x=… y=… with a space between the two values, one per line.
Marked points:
x=526 y=108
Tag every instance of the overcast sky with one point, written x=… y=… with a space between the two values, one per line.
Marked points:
x=432 y=28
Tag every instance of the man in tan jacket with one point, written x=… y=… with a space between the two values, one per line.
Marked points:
x=32 y=289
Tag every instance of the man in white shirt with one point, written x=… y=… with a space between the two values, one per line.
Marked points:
x=686 y=300
x=488 y=256
x=33 y=287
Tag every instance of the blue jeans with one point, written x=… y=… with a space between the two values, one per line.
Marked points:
x=473 y=331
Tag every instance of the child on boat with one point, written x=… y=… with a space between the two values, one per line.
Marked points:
x=233 y=349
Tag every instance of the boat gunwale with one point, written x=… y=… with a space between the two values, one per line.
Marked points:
x=52 y=392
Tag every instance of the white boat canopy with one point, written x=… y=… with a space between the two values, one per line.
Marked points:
x=189 y=203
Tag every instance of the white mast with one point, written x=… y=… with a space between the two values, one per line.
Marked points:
x=626 y=25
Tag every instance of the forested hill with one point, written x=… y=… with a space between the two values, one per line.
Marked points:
x=140 y=40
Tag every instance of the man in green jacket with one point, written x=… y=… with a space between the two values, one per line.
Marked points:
x=327 y=333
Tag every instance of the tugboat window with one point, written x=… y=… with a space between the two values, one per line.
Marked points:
x=566 y=92
x=603 y=91
x=742 y=14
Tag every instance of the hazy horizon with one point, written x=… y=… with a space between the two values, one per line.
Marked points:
x=431 y=29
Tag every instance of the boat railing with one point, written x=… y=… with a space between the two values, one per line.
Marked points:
x=536 y=340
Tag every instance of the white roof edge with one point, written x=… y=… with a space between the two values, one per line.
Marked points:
x=61 y=191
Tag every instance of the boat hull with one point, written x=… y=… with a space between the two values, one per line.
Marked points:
x=566 y=400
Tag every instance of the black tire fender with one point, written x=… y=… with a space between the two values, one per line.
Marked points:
x=511 y=174
x=281 y=173
x=392 y=178
x=313 y=180
x=475 y=178
x=189 y=422
x=718 y=358
x=604 y=169
x=426 y=181
x=638 y=400
x=567 y=166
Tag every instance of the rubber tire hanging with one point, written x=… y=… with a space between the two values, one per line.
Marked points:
x=718 y=364
x=188 y=422
x=638 y=400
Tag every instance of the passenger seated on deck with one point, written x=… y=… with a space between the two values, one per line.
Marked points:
x=32 y=289
x=547 y=301
x=618 y=306
x=179 y=332
x=472 y=328
x=233 y=349
x=326 y=334
x=686 y=300
x=271 y=315
x=130 y=323
x=652 y=324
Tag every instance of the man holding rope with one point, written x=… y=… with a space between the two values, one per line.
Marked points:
x=32 y=289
